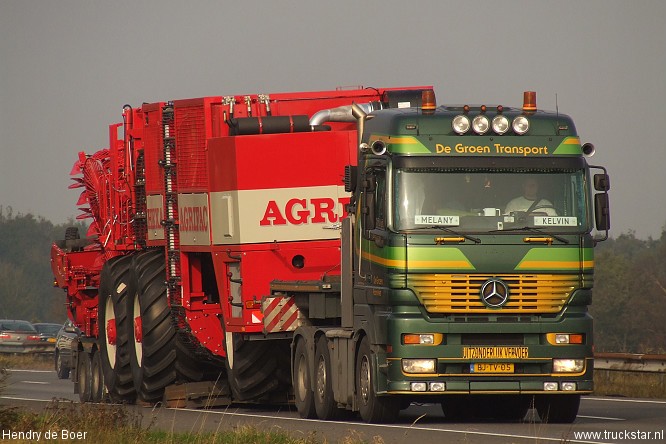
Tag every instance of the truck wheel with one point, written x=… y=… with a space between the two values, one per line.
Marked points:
x=252 y=369
x=61 y=370
x=557 y=409
x=514 y=407
x=116 y=284
x=84 y=377
x=325 y=404
x=303 y=395
x=457 y=408
x=96 y=378
x=372 y=408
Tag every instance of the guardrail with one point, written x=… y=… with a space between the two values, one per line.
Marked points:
x=629 y=362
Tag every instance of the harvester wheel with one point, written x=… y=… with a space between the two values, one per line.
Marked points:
x=116 y=286
x=253 y=371
x=158 y=356
x=153 y=357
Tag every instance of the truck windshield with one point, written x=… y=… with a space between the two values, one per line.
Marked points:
x=488 y=200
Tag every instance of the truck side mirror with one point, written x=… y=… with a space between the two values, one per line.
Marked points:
x=601 y=182
x=602 y=212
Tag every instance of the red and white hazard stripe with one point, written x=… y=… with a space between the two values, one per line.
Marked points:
x=280 y=314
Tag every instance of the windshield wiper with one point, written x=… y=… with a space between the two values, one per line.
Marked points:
x=476 y=240
x=535 y=230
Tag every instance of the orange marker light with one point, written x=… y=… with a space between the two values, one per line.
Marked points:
x=529 y=101
x=428 y=102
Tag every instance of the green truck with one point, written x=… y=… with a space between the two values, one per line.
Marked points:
x=467 y=266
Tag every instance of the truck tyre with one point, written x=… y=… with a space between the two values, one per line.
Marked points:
x=557 y=409
x=372 y=408
x=116 y=284
x=325 y=404
x=83 y=376
x=96 y=378
x=61 y=370
x=457 y=407
x=514 y=407
x=253 y=371
x=303 y=395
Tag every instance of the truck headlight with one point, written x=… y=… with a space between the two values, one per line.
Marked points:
x=568 y=365
x=418 y=365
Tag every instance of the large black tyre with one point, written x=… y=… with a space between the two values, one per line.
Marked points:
x=303 y=395
x=116 y=286
x=159 y=357
x=325 y=405
x=373 y=408
x=61 y=370
x=557 y=409
x=84 y=378
x=257 y=370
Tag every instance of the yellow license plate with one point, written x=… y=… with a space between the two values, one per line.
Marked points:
x=51 y=339
x=491 y=367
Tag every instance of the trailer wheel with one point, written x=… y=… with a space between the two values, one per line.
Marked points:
x=372 y=408
x=325 y=404
x=557 y=409
x=84 y=377
x=303 y=395
x=253 y=371
x=116 y=284
x=96 y=378
x=61 y=370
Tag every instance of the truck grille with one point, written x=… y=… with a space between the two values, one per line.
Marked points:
x=460 y=293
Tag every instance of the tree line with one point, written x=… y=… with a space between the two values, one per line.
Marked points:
x=629 y=301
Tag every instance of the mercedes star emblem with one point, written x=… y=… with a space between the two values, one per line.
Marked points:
x=494 y=293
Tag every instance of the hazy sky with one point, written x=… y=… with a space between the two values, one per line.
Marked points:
x=67 y=68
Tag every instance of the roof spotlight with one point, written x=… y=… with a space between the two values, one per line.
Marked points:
x=521 y=125
x=500 y=124
x=480 y=124
x=460 y=124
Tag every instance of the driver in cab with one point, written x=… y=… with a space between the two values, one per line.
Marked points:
x=529 y=201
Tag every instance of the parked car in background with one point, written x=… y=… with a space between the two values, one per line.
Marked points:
x=21 y=337
x=47 y=331
x=63 y=348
